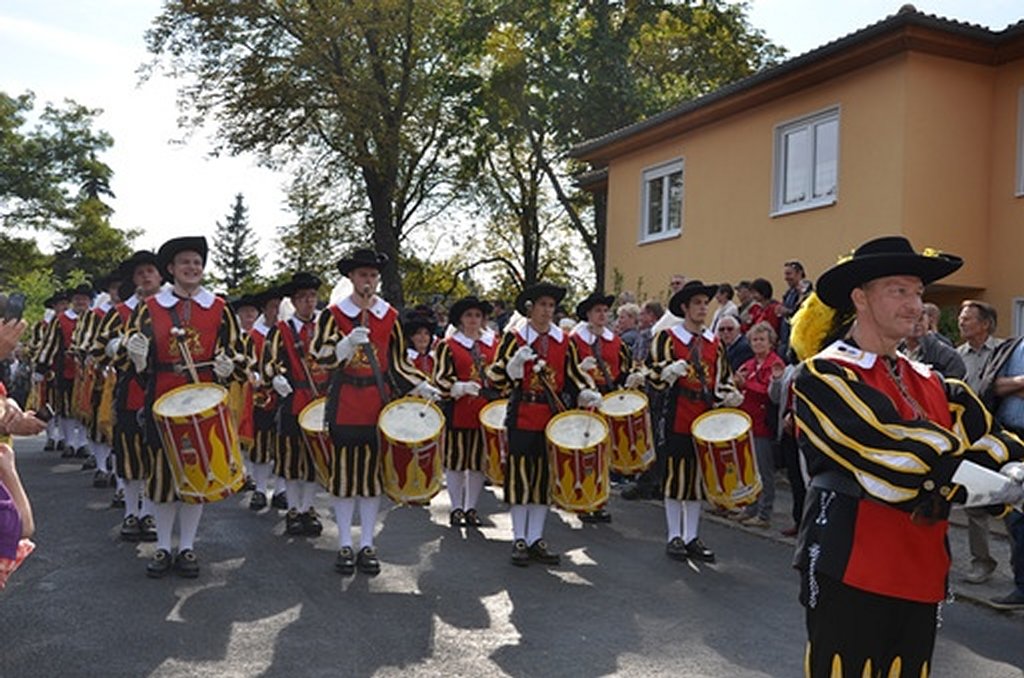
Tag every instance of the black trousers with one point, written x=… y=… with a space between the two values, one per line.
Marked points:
x=865 y=634
x=791 y=460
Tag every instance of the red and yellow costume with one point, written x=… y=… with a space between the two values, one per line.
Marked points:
x=460 y=358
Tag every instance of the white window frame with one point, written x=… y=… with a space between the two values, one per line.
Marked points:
x=808 y=122
x=661 y=172
x=1019 y=186
x=1018 y=316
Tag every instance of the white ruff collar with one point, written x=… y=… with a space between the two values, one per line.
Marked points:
x=70 y=314
x=167 y=298
x=843 y=352
x=583 y=331
x=529 y=334
x=349 y=307
x=132 y=302
x=297 y=323
x=487 y=337
x=261 y=326
x=686 y=336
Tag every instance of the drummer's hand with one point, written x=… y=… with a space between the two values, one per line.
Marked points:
x=588 y=398
x=111 y=348
x=281 y=385
x=138 y=350
x=426 y=390
x=359 y=336
x=465 y=388
x=732 y=398
x=635 y=380
x=517 y=365
x=223 y=366
x=588 y=363
x=673 y=371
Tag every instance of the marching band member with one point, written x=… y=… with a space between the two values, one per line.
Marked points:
x=99 y=437
x=264 y=447
x=534 y=361
x=240 y=395
x=688 y=361
x=359 y=337
x=185 y=315
x=42 y=395
x=460 y=374
x=419 y=326
x=298 y=380
x=603 y=357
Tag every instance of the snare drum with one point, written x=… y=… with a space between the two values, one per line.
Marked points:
x=577 y=443
x=725 y=449
x=318 y=439
x=411 y=432
x=492 y=423
x=200 y=442
x=632 y=436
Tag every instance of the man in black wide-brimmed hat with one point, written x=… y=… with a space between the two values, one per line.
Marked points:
x=883 y=437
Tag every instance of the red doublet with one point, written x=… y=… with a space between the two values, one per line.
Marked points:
x=65 y=366
x=201 y=332
x=892 y=555
x=359 y=402
x=424 y=362
x=610 y=354
x=466 y=411
x=135 y=397
x=689 y=404
x=268 y=400
x=534 y=416
x=303 y=392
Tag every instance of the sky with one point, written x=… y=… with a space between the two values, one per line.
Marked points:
x=165 y=181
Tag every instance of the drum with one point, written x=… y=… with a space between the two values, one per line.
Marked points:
x=725 y=449
x=105 y=410
x=411 y=431
x=632 y=436
x=577 y=443
x=318 y=439
x=200 y=442
x=492 y=423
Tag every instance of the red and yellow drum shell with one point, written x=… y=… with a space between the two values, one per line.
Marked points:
x=725 y=451
x=628 y=413
x=578 y=453
x=313 y=423
x=202 y=447
x=492 y=424
x=411 y=431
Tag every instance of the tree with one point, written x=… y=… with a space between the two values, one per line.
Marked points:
x=373 y=88
x=234 y=250
x=19 y=257
x=89 y=243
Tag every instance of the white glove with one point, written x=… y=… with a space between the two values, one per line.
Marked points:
x=425 y=390
x=281 y=385
x=731 y=398
x=588 y=398
x=635 y=380
x=223 y=366
x=517 y=364
x=588 y=363
x=673 y=371
x=138 y=350
x=38 y=377
x=1012 y=494
x=346 y=348
x=1014 y=471
x=465 y=388
x=111 y=348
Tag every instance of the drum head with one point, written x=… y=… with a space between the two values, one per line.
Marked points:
x=721 y=425
x=622 y=403
x=493 y=414
x=577 y=430
x=312 y=416
x=189 y=399
x=411 y=420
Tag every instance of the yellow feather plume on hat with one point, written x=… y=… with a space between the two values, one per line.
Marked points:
x=812 y=324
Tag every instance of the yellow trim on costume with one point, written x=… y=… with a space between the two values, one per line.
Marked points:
x=896 y=668
x=995 y=447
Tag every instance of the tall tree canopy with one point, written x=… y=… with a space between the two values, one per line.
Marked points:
x=234 y=250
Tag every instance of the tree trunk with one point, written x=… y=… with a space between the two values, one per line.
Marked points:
x=385 y=240
x=600 y=248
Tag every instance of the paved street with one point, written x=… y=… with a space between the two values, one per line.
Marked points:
x=447 y=602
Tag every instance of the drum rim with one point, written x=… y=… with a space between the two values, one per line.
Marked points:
x=414 y=399
x=310 y=405
x=719 y=411
x=490 y=406
x=577 y=411
x=619 y=391
x=186 y=387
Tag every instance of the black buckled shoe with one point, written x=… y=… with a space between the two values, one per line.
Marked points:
x=473 y=518
x=258 y=501
x=696 y=550
x=100 y=479
x=345 y=563
x=539 y=552
x=520 y=554
x=676 y=549
x=60 y=446
x=280 y=501
x=147 y=527
x=367 y=561
x=130 y=529
x=457 y=518
x=187 y=564
x=249 y=485
x=160 y=565
x=293 y=523
x=118 y=500
x=311 y=524
x=66 y=451
x=89 y=463
x=83 y=453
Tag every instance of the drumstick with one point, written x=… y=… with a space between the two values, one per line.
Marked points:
x=186 y=355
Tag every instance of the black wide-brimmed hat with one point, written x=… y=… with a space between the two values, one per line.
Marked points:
x=126 y=290
x=416 y=318
x=878 y=258
x=83 y=289
x=677 y=304
x=193 y=243
x=466 y=303
x=245 y=300
x=362 y=258
x=301 y=281
x=139 y=258
x=535 y=292
x=590 y=301
x=268 y=295
x=52 y=300
x=103 y=283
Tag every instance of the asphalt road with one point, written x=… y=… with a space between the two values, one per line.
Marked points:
x=446 y=603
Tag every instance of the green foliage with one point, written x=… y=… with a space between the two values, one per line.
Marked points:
x=18 y=257
x=234 y=251
x=89 y=243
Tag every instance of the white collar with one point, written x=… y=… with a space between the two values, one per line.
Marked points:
x=584 y=333
x=487 y=337
x=105 y=306
x=132 y=301
x=413 y=354
x=297 y=322
x=48 y=315
x=167 y=298
x=349 y=307
x=848 y=353
x=529 y=334
x=70 y=314
x=261 y=326
x=686 y=336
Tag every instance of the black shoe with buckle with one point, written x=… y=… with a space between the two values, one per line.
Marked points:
x=118 y=500
x=457 y=518
x=696 y=550
x=473 y=518
x=280 y=501
x=100 y=479
x=676 y=549
x=293 y=523
x=539 y=552
x=60 y=446
x=258 y=501
x=520 y=554
x=89 y=463
x=66 y=451
x=249 y=485
x=187 y=564
x=311 y=524
x=147 y=527
x=345 y=563
x=367 y=561
x=160 y=565
x=130 y=529
x=83 y=453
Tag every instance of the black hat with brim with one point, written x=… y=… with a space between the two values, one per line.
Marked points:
x=417 y=318
x=362 y=258
x=140 y=258
x=126 y=290
x=301 y=281
x=465 y=304
x=103 y=283
x=534 y=292
x=592 y=300
x=193 y=243
x=61 y=295
x=268 y=295
x=245 y=300
x=85 y=289
x=879 y=258
x=677 y=304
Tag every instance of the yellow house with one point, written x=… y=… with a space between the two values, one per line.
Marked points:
x=913 y=126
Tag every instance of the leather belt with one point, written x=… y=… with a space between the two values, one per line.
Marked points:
x=533 y=398
x=361 y=382
x=837 y=482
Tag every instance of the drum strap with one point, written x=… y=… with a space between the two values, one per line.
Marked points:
x=597 y=347
x=300 y=351
x=698 y=367
x=478 y=363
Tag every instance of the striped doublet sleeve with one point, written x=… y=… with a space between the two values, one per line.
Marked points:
x=659 y=357
x=497 y=370
x=229 y=342
x=444 y=369
x=326 y=338
x=403 y=373
x=109 y=328
x=50 y=348
x=988 y=443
